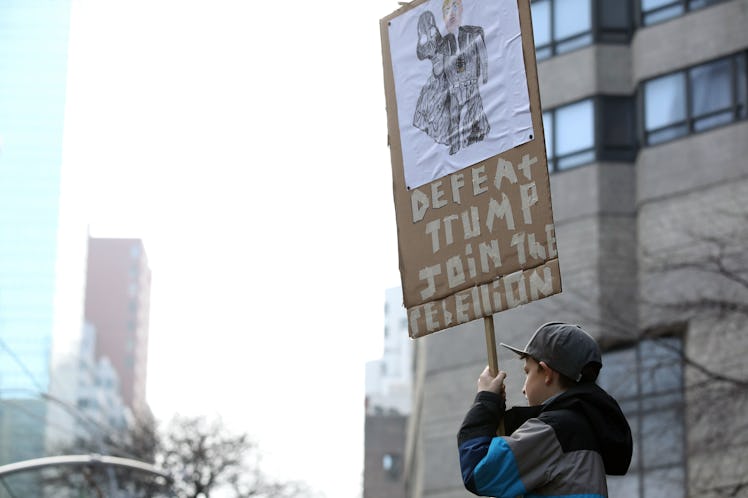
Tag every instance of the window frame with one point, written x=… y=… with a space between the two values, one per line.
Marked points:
x=553 y=159
x=597 y=32
x=639 y=409
x=686 y=7
x=602 y=150
x=552 y=47
x=735 y=108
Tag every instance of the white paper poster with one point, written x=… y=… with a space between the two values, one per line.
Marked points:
x=460 y=85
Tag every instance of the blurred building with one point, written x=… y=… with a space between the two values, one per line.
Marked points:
x=118 y=287
x=645 y=123
x=99 y=402
x=42 y=240
x=388 y=380
x=384 y=463
x=388 y=404
x=54 y=388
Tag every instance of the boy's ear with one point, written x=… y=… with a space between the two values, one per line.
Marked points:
x=548 y=371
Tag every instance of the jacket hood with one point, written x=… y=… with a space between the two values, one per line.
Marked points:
x=606 y=419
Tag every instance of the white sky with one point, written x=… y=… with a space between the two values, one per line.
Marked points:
x=245 y=143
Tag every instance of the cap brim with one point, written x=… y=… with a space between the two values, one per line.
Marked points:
x=520 y=352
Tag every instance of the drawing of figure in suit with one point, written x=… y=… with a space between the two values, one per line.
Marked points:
x=466 y=67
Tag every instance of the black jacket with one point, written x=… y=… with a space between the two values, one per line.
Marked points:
x=563 y=447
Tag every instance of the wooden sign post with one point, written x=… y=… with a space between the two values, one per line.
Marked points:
x=493 y=360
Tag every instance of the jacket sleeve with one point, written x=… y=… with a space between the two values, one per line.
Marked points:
x=504 y=467
x=476 y=433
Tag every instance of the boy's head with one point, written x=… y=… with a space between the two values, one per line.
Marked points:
x=565 y=348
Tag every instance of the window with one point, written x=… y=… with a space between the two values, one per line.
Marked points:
x=654 y=11
x=665 y=108
x=570 y=135
x=541 y=25
x=647 y=381
x=695 y=99
x=617 y=135
x=601 y=128
x=560 y=26
x=615 y=21
x=711 y=98
x=392 y=465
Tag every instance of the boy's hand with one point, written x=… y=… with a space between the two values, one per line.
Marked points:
x=487 y=382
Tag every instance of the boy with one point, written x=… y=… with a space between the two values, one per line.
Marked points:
x=571 y=435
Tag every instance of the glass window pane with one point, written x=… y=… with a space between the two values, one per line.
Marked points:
x=618 y=375
x=665 y=483
x=548 y=131
x=575 y=160
x=742 y=79
x=713 y=120
x=619 y=122
x=541 y=22
x=664 y=14
x=575 y=128
x=662 y=401
x=664 y=101
x=662 y=438
x=648 y=5
x=711 y=87
x=698 y=4
x=658 y=430
x=570 y=17
x=667 y=134
x=623 y=486
x=634 y=423
x=544 y=53
x=614 y=14
x=574 y=44
x=661 y=368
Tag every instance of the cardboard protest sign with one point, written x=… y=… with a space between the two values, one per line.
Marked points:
x=470 y=177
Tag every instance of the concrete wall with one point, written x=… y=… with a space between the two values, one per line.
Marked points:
x=688 y=40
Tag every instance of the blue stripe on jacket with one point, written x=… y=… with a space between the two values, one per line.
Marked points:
x=564 y=496
x=489 y=468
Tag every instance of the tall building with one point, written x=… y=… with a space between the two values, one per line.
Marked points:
x=644 y=110
x=42 y=241
x=388 y=403
x=118 y=286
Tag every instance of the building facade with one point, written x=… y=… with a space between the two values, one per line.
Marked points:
x=98 y=401
x=118 y=286
x=42 y=243
x=644 y=111
x=53 y=390
x=388 y=404
x=388 y=379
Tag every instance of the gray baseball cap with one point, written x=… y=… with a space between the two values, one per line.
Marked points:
x=566 y=348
